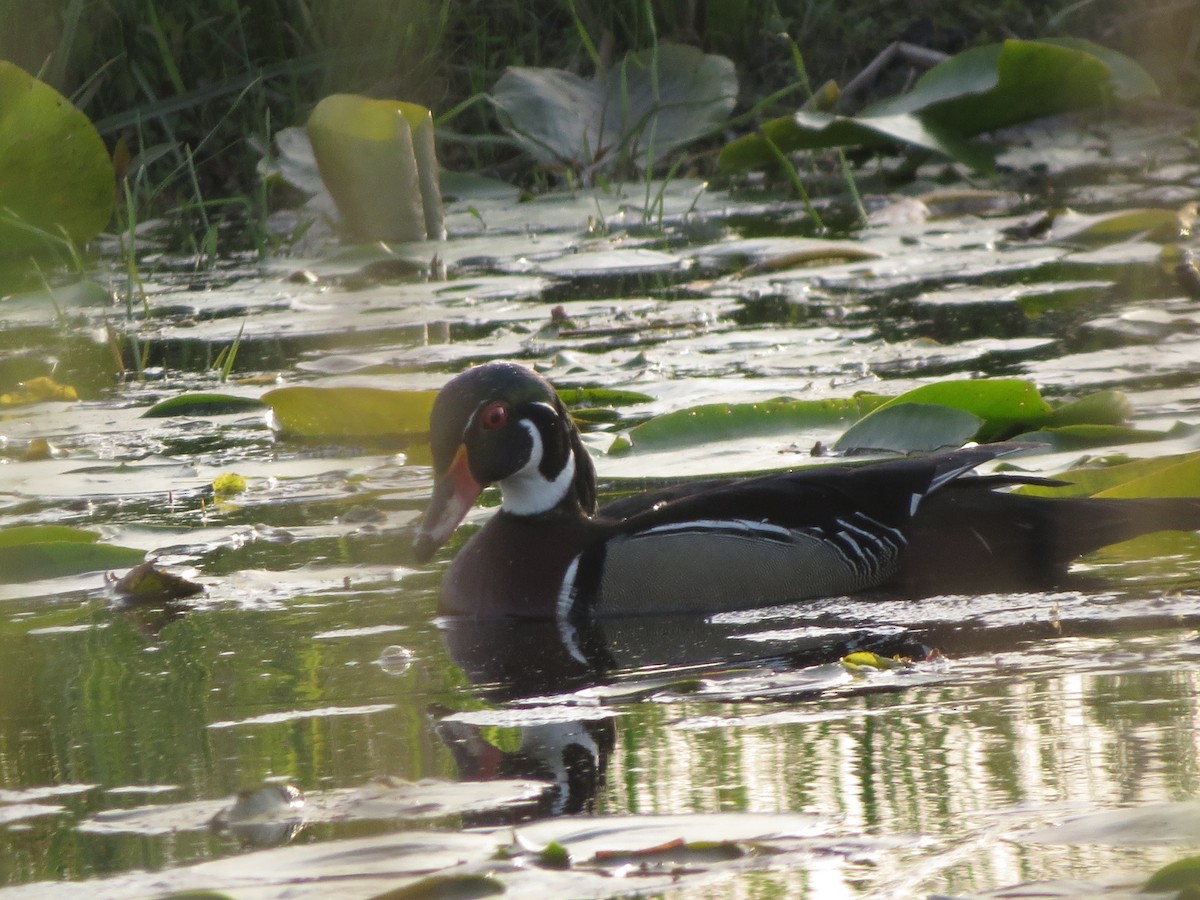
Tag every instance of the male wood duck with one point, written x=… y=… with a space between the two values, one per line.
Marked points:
x=910 y=527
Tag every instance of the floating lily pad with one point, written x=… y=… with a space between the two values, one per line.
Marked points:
x=53 y=559
x=910 y=428
x=203 y=405
x=343 y=412
x=1166 y=476
x=1176 y=876
x=718 y=421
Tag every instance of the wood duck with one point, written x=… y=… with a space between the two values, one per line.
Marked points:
x=909 y=527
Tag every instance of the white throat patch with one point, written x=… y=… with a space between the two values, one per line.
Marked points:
x=527 y=492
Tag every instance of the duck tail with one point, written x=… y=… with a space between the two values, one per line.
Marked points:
x=970 y=538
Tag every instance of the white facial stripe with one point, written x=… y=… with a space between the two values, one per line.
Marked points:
x=527 y=492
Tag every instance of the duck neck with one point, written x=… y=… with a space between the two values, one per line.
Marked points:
x=531 y=491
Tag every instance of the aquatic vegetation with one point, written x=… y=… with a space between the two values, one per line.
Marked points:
x=58 y=186
x=632 y=116
x=980 y=90
x=378 y=160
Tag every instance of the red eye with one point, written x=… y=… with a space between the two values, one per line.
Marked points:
x=494 y=416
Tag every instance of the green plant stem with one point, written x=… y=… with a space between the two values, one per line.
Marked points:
x=789 y=169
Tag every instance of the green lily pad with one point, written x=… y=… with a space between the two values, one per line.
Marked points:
x=1084 y=437
x=601 y=397
x=203 y=405
x=992 y=87
x=910 y=428
x=980 y=90
x=1003 y=404
x=1099 y=408
x=817 y=130
x=348 y=412
x=651 y=103
x=720 y=421
x=1176 y=876
x=56 y=178
x=1178 y=478
x=1165 y=476
x=1111 y=227
x=54 y=559
x=42 y=534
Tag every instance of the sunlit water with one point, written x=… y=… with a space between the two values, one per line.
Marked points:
x=314 y=658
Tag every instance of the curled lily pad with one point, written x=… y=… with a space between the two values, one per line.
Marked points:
x=377 y=159
x=1176 y=876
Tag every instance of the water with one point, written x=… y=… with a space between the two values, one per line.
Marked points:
x=314 y=659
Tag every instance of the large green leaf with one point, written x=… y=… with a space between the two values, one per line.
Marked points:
x=1164 y=476
x=1176 y=478
x=56 y=178
x=377 y=159
x=53 y=559
x=21 y=535
x=653 y=102
x=720 y=421
x=1004 y=404
x=349 y=412
x=910 y=428
x=987 y=88
x=980 y=90
x=202 y=405
x=817 y=130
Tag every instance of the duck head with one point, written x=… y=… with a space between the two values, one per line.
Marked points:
x=503 y=424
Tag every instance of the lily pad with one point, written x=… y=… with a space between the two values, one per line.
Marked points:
x=1166 y=476
x=1183 y=873
x=203 y=405
x=651 y=103
x=980 y=90
x=342 y=412
x=909 y=428
x=718 y=421
x=42 y=534
x=53 y=559
x=992 y=87
x=56 y=179
x=377 y=159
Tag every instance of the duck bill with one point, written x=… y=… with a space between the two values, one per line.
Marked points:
x=452 y=498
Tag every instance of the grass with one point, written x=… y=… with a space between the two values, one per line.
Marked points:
x=185 y=92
